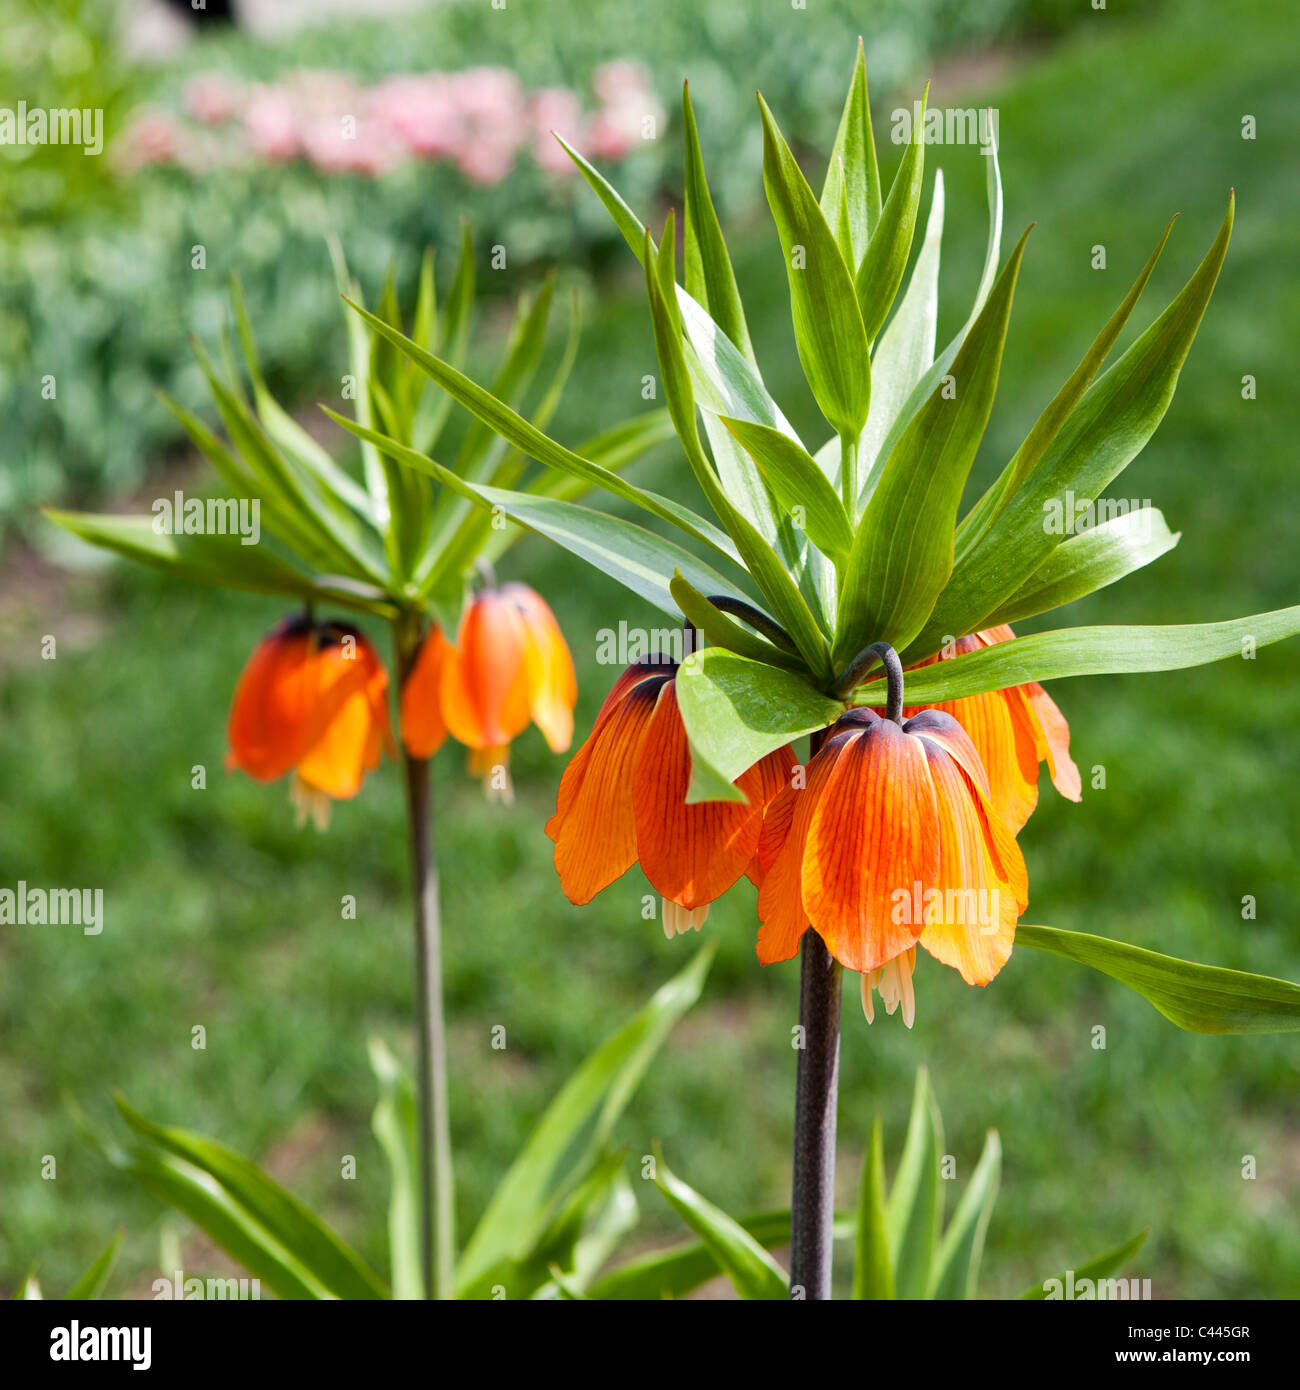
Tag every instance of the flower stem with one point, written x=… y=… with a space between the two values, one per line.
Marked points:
x=437 y=1203
x=816 y=1092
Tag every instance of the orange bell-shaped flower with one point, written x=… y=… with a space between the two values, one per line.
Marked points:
x=1013 y=730
x=312 y=699
x=622 y=801
x=510 y=665
x=892 y=840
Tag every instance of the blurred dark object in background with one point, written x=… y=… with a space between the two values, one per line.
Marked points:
x=209 y=11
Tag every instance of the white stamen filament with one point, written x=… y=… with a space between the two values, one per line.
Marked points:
x=679 y=919
x=309 y=802
x=894 y=981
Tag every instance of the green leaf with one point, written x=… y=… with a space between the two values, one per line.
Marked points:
x=451 y=342
x=223 y=1220
x=1049 y=423
x=394 y=1122
x=798 y=483
x=753 y=1272
x=638 y=559
x=902 y=554
x=906 y=348
x=91 y=1284
x=1100 y=1268
x=1198 y=998
x=736 y=711
x=724 y=631
x=881 y=271
x=1089 y=561
x=283 y=429
x=828 y=331
x=609 y=1074
x=854 y=156
x=212 y=559
x=767 y=570
x=530 y=441
x=1087 y=651
x=914 y=1212
x=338 y=1268
x=956 y=1271
x=709 y=276
x=1102 y=434
x=939 y=367
x=873 y=1270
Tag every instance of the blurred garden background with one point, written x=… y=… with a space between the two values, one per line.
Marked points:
x=220 y=912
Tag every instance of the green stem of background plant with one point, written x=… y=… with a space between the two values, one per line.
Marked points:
x=816 y=1095
x=849 y=478
x=437 y=1196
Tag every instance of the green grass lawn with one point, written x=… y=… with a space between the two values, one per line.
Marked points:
x=219 y=913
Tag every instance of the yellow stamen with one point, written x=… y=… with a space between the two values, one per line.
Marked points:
x=894 y=981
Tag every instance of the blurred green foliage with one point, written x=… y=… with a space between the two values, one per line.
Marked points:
x=220 y=913
x=97 y=286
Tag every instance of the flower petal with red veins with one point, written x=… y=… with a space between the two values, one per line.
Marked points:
x=972 y=921
x=691 y=853
x=595 y=829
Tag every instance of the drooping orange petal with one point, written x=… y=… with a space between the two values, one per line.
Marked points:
x=594 y=828
x=693 y=853
x=268 y=716
x=940 y=730
x=344 y=731
x=970 y=924
x=873 y=842
x=552 y=685
x=423 y=727
x=1056 y=736
x=574 y=772
x=780 y=854
x=484 y=688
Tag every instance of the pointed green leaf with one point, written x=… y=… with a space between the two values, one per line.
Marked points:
x=798 y=484
x=956 y=1271
x=736 y=711
x=1102 y=434
x=91 y=1284
x=753 y=1272
x=890 y=247
x=613 y=1069
x=854 y=155
x=828 y=331
x=1088 y=651
x=298 y=1230
x=902 y=554
x=1198 y=998
x=1100 y=1268
x=873 y=1270
x=1090 y=561
x=395 y=1125
x=709 y=276
x=914 y=1211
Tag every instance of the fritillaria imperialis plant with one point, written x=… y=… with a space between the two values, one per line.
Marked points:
x=844 y=596
x=474 y=659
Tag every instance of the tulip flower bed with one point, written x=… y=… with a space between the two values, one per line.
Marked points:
x=1213 y=1238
